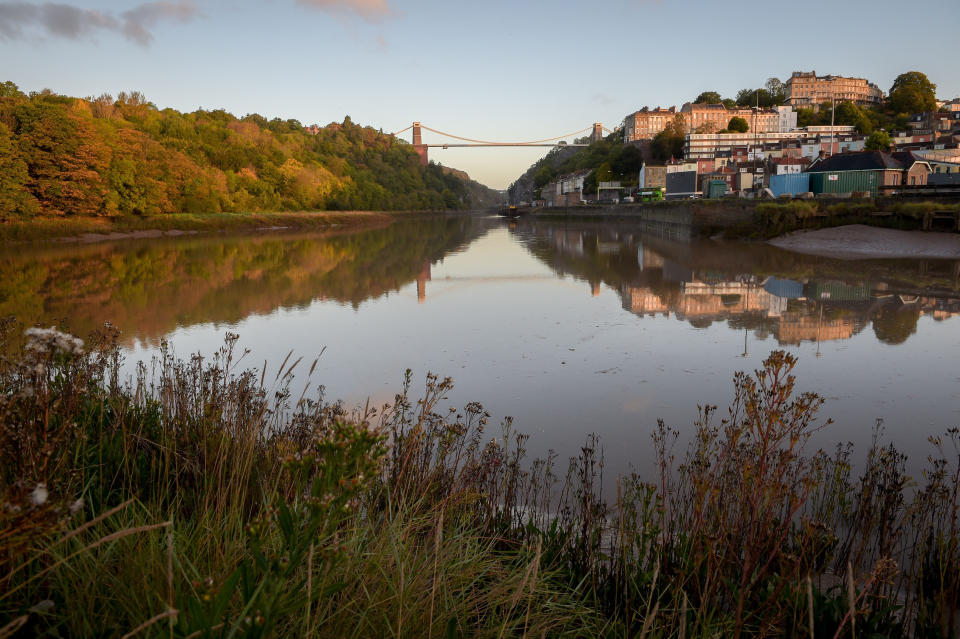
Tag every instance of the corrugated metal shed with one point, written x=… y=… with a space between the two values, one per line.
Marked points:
x=844 y=182
x=718 y=188
x=792 y=183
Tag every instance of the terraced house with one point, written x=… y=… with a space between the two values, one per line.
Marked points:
x=807 y=90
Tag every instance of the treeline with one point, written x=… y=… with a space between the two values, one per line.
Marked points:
x=121 y=156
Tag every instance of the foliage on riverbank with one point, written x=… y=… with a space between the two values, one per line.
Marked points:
x=42 y=229
x=64 y=156
x=771 y=219
x=205 y=500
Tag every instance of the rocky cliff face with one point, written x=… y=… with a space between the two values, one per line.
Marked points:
x=522 y=190
x=481 y=195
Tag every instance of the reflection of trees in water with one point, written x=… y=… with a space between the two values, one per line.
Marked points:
x=151 y=287
x=840 y=297
x=894 y=323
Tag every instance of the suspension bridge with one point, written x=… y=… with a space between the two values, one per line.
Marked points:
x=597 y=131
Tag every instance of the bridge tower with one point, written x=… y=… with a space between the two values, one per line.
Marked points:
x=418 y=144
x=597 y=134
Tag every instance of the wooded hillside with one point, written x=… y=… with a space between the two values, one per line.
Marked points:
x=65 y=156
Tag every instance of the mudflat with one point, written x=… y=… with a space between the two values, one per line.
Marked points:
x=857 y=241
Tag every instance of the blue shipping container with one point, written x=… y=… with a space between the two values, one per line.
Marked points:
x=792 y=183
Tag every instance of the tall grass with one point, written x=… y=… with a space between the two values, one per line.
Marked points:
x=205 y=499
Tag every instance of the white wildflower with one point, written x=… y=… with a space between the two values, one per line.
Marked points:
x=76 y=506
x=50 y=340
x=39 y=495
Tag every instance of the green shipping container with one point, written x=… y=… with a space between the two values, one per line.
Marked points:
x=718 y=188
x=844 y=182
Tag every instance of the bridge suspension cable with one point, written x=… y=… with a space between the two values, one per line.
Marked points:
x=402 y=130
x=457 y=137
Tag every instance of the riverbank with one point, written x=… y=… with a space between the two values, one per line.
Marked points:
x=93 y=229
x=857 y=241
x=190 y=504
x=765 y=219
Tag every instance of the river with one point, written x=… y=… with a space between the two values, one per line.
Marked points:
x=570 y=328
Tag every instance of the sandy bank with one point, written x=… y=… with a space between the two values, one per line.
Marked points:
x=857 y=241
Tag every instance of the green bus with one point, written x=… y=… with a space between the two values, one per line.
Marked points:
x=651 y=194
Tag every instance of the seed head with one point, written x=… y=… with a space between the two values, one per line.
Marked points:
x=39 y=495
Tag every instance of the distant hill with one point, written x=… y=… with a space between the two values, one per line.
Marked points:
x=66 y=156
x=481 y=195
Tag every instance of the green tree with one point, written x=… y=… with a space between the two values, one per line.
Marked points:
x=849 y=114
x=708 y=97
x=543 y=175
x=604 y=172
x=729 y=103
x=15 y=199
x=878 y=141
x=751 y=97
x=669 y=142
x=738 y=125
x=912 y=92
x=776 y=90
x=10 y=90
x=807 y=117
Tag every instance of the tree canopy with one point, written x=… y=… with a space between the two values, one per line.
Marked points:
x=738 y=125
x=878 y=141
x=708 y=97
x=669 y=142
x=101 y=156
x=912 y=92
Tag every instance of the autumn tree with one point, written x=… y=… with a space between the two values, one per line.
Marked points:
x=912 y=92
x=15 y=200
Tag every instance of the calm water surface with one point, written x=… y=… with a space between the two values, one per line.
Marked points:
x=570 y=328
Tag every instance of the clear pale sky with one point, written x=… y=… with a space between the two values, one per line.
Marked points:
x=494 y=70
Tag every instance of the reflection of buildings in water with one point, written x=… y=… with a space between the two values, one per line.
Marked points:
x=661 y=286
x=568 y=242
x=698 y=299
x=642 y=301
x=724 y=300
x=940 y=308
x=703 y=300
x=940 y=315
x=422 y=280
x=648 y=259
x=796 y=327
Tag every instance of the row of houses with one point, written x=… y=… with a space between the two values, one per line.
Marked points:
x=646 y=123
x=868 y=172
x=803 y=90
x=744 y=169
